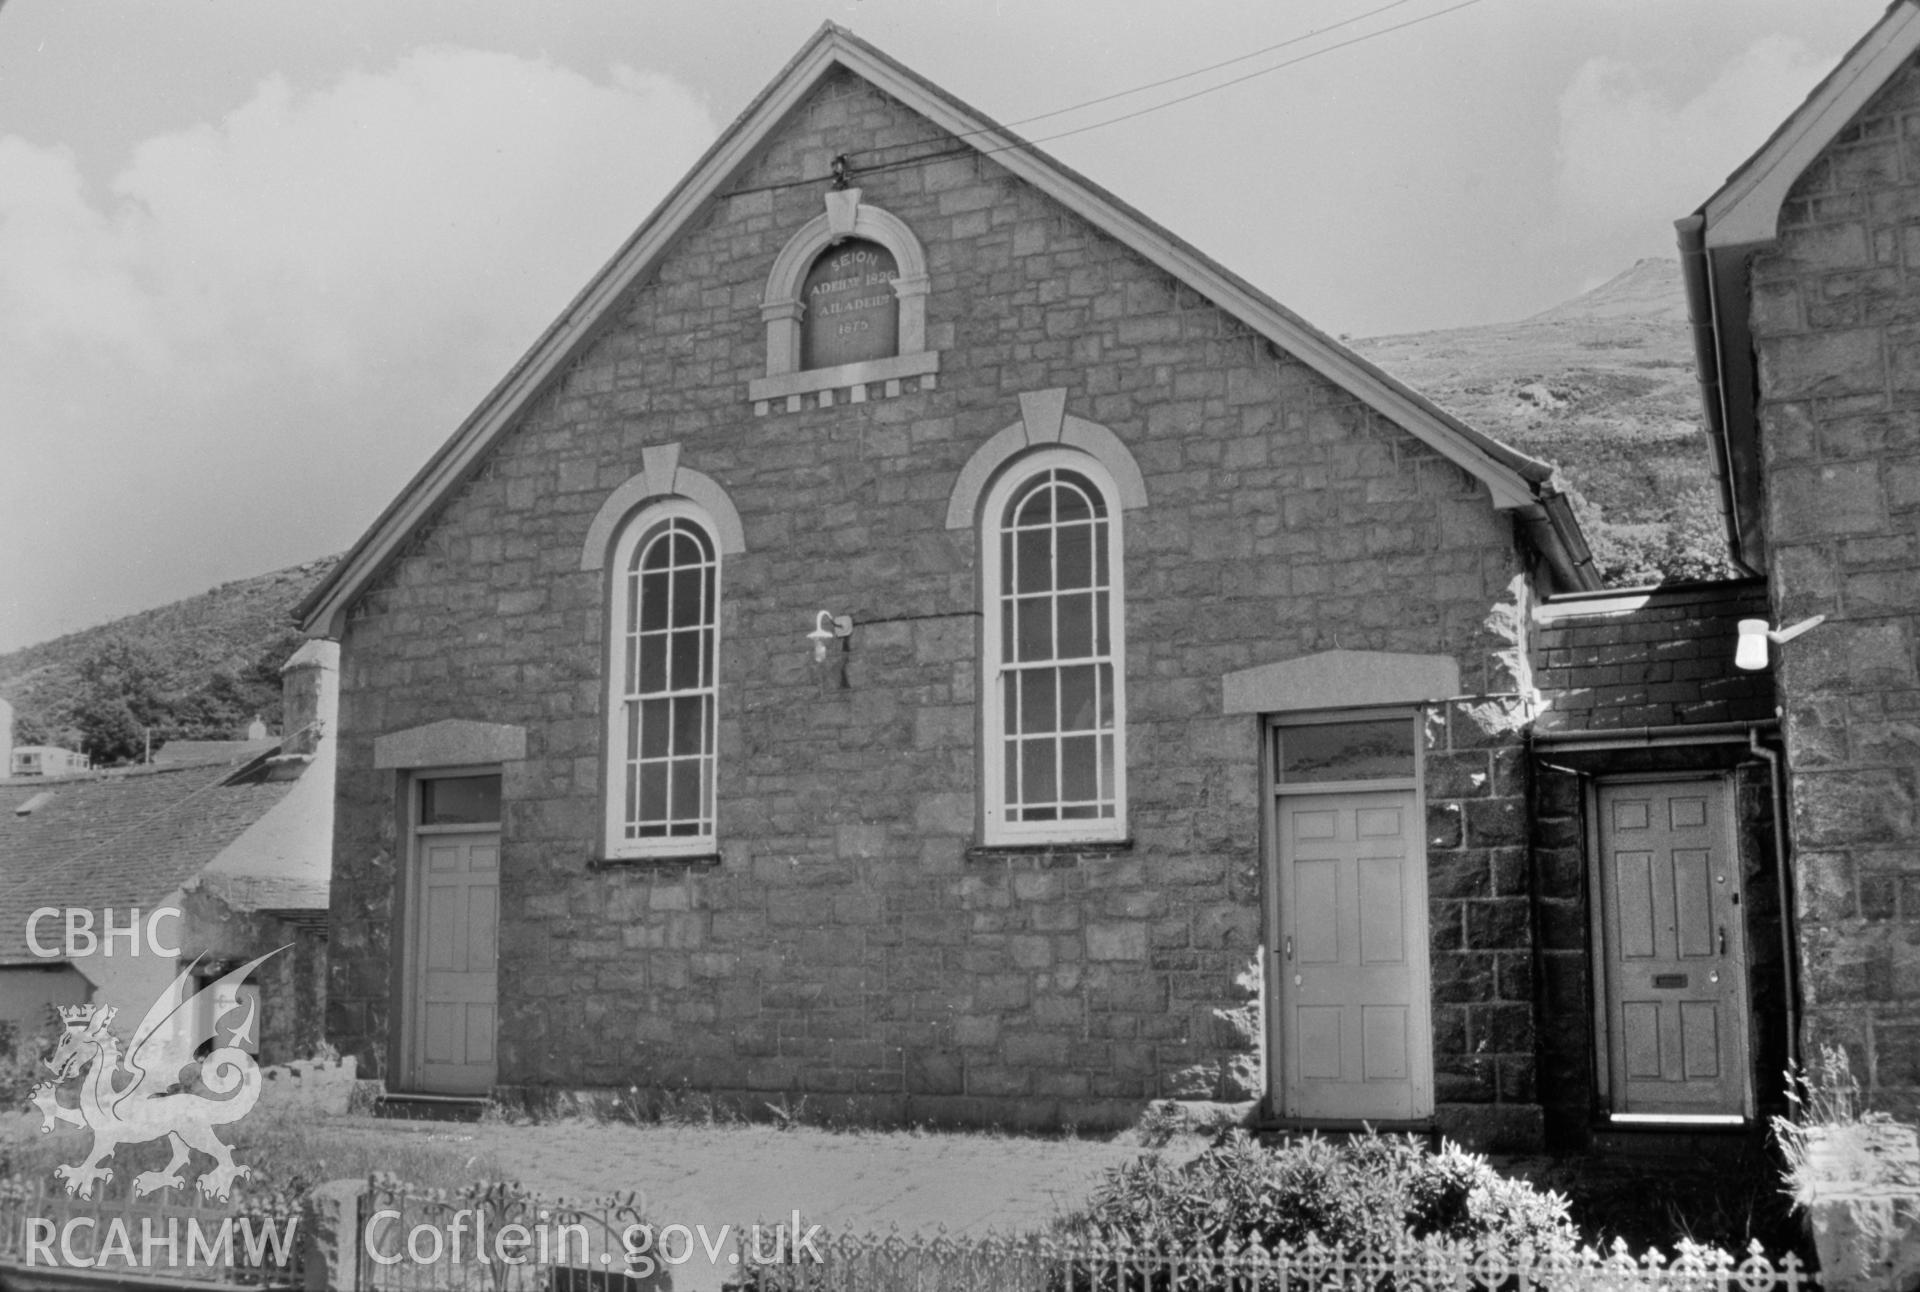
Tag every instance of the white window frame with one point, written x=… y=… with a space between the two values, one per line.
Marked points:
x=617 y=845
x=996 y=828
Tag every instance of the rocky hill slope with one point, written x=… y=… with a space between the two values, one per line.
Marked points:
x=213 y=658
x=1603 y=387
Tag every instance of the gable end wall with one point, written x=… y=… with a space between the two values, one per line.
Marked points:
x=852 y=944
x=1836 y=321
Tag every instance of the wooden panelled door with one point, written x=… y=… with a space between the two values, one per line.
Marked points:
x=1355 y=1033
x=1675 y=973
x=455 y=929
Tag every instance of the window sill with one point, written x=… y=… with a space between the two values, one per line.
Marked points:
x=792 y=389
x=657 y=861
x=1049 y=854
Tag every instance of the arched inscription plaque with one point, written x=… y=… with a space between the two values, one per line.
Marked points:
x=851 y=313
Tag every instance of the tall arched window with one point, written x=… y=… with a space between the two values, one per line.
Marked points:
x=1055 y=685
x=663 y=685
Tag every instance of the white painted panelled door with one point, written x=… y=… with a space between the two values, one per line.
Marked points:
x=456 y=978
x=1356 y=1035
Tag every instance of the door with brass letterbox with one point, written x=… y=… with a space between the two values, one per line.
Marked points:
x=1673 y=962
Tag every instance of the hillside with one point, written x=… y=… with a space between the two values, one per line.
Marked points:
x=1603 y=387
x=214 y=655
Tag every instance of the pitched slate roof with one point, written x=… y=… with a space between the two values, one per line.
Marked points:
x=284 y=861
x=1515 y=481
x=118 y=839
x=179 y=753
x=1649 y=657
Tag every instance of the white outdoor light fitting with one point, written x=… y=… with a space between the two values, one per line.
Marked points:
x=826 y=627
x=1751 y=653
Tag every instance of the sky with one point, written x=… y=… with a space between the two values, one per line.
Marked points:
x=258 y=259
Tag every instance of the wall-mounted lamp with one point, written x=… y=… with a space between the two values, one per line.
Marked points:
x=1751 y=653
x=826 y=627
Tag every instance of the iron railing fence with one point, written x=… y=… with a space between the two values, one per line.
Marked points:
x=495 y=1236
x=894 y=1262
x=171 y=1234
x=499 y=1237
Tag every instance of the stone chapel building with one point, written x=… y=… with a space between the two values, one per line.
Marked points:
x=918 y=635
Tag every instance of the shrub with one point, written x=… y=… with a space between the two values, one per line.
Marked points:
x=1367 y=1195
x=1161 y=1122
x=1834 y=1140
x=22 y=1067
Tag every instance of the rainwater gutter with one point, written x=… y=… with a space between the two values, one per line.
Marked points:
x=1696 y=272
x=1698 y=733
x=1777 y=777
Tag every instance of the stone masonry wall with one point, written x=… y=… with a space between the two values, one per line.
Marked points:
x=1479 y=891
x=1836 y=322
x=854 y=945
x=292 y=982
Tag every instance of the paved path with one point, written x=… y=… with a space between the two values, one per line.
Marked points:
x=714 y=1176
x=965 y=1182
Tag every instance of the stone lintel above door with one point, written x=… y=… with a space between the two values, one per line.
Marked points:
x=1340 y=679
x=451 y=742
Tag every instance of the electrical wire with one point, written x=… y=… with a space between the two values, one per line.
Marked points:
x=1150 y=85
x=1292 y=62
x=1016 y=144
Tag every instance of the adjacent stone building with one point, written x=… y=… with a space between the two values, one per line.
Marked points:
x=917 y=635
x=1804 y=277
x=117 y=882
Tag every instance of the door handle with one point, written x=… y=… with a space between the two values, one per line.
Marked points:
x=1289 y=946
x=1723 y=939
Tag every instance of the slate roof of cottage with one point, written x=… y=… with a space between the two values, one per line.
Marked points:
x=179 y=753
x=1649 y=657
x=119 y=839
x=1514 y=480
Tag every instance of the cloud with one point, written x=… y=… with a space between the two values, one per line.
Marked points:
x=267 y=322
x=1633 y=157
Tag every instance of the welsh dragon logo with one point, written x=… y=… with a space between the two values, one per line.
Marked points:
x=141 y=1097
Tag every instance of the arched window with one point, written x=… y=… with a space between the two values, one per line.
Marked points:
x=1055 y=684
x=663 y=684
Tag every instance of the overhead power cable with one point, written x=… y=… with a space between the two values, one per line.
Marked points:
x=924 y=158
x=1264 y=71
x=1152 y=85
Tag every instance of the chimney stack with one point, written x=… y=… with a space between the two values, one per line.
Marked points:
x=310 y=696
